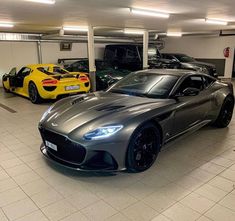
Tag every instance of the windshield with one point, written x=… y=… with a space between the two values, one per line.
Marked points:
x=146 y=84
x=153 y=53
x=184 y=58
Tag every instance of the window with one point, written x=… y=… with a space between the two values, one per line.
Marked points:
x=24 y=72
x=192 y=81
x=167 y=56
x=12 y=72
x=145 y=84
x=207 y=81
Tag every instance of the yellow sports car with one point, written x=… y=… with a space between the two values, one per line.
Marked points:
x=45 y=81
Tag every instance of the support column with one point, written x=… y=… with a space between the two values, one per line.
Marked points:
x=145 y=49
x=91 y=57
x=39 y=49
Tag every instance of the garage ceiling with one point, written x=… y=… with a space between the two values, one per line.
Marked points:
x=186 y=15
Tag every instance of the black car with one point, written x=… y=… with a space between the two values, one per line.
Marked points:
x=105 y=75
x=130 y=57
x=187 y=62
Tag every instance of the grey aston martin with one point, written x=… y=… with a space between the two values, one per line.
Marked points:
x=126 y=126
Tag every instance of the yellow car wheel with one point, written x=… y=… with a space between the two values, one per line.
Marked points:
x=34 y=96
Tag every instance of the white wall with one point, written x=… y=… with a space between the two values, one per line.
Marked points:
x=14 y=54
x=51 y=51
x=204 y=47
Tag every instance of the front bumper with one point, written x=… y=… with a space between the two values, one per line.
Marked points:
x=68 y=165
x=75 y=156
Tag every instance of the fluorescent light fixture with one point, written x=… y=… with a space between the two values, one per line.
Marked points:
x=174 y=34
x=149 y=13
x=133 y=31
x=216 y=22
x=50 y=2
x=6 y=25
x=75 y=28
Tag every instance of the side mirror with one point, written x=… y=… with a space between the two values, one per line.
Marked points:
x=191 y=91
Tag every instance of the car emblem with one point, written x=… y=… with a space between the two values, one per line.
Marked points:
x=54 y=124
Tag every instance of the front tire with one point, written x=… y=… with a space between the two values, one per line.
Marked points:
x=143 y=148
x=226 y=113
x=33 y=94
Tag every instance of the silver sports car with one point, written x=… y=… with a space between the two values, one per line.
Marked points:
x=126 y=126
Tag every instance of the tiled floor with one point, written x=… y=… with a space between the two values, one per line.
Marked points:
x=193 y=179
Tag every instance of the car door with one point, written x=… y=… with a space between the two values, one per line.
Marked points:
x=17 y=81
x=190 y=110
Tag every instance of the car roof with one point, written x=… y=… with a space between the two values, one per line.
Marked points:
x=175 y=72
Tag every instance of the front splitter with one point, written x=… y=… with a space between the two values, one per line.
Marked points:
x=72 y=166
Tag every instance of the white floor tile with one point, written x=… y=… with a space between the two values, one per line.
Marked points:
x=19 y=209
x=178 y=212
x=58 y=210
x=218 y=213
x=99 y=211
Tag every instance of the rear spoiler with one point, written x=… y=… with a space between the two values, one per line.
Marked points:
x=61 y=60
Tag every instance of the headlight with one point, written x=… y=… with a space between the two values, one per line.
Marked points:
x=46 y=113
x=102 y=132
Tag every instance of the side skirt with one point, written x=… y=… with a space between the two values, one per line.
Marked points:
x=189 y=130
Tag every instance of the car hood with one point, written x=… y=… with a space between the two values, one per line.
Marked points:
x=97 y=109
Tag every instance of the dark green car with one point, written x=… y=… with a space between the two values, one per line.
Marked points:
x=105 y=75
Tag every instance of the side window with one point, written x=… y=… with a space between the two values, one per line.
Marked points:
x=120 y=53
x=167 y=56
x=12 y=72
x=207 y=81
x=109 y=53
x=24 y=72
x=192 y=81
x=131 y=54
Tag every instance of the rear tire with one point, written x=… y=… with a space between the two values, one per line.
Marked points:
x=226 y=113
x=143 y=148
x=33 y=94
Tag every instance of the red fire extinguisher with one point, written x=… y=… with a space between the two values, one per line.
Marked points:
x=226 y=52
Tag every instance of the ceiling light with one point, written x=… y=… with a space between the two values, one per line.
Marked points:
x=75 y=28
x=174 y=34
x=216 y=22
x=50 y=2
x=6 y=25
x=133 y=31
x=149 y=13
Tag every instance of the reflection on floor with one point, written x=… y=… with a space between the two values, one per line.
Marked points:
x=193 y=179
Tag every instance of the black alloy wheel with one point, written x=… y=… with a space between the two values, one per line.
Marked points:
x=226 y=113
x=143 y=148
x=33 y=93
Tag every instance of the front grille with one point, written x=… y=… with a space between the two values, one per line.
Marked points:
x=67 y=150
